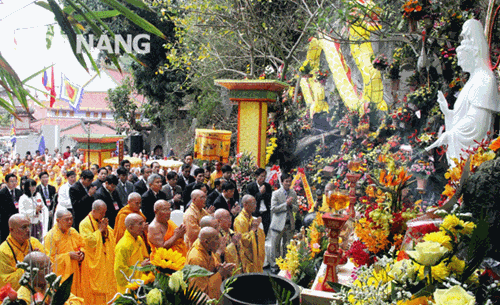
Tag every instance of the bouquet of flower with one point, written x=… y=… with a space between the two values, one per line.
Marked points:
x=380 y=62
x=243 y=171
x=422 y=168
x=165 y=281
x=413 y=9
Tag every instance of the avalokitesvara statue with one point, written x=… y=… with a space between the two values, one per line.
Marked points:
x=473 y=113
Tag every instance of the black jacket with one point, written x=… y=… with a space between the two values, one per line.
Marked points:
x=182 y=183
x=52 y=194
x=253 y=189
x=211 y=198
x=140 y=187
x=186 y=193
x=110 y=200
x=81 y=202
x=148 y=202
x=7 y=209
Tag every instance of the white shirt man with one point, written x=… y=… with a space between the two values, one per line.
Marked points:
x=63 y=200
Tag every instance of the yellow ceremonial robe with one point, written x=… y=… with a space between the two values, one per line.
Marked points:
x=120 y=222
x=10 y=255
x=98 y=278
x=233 y=253
x=178 y=245
x=25 y=294
x=57 y=247
x=207 y=284
x=191 y=220
x=128 y=252
x=253 y=243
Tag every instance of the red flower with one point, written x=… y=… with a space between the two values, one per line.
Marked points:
x=7 y=291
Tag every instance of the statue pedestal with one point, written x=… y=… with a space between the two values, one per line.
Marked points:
x=333 y=256
x=252 y=97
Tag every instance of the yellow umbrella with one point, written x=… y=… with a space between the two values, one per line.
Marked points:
x=172 y=164
x=135 y=162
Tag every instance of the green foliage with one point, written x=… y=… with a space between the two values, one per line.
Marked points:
x=63 y=292
x=282 y=295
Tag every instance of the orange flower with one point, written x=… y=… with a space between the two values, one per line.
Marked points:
x=418 y=8
x=495 y=145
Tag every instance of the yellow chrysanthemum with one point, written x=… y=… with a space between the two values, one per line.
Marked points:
x=440 y=237
x=148 y=278
x=468 y=228
x=170 y=259
x=452 y=223
x=134 y=285
x=439 y=272
x=456 y=265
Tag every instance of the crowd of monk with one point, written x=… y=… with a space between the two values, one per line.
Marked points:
x=97 y=236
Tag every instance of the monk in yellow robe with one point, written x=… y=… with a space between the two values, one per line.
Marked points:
x=65 y=247
x=203 y=254
x=233 y=251
x=42 y=262
x=129 y=251
x=252 y=237
x=163 y=232
x=13 y=250
x=133 y=206
x=97 y=268
x=193 y=215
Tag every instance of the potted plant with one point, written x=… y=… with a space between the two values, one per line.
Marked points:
x=422 y=169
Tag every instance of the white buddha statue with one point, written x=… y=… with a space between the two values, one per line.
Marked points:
x=473 y=113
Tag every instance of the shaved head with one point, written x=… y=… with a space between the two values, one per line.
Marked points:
x=224 y=219
x=160 y=204
x=134 y=195
x=196 y=193
x=61 y=213
x=98 y=204
x=207 y=233
x=36 y=259
x=209 y=221
x=132 y=219
x=221 y=213
x=17 y=219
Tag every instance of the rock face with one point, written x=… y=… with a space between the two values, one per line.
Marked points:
x=481 y=193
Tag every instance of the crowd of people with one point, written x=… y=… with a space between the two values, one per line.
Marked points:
x=97 y=222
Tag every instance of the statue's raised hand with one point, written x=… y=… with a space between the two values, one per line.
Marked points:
x=443 y=103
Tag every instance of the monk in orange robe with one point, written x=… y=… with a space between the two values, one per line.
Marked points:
x=163 y=232
x=17 y=245
x=133 y=206
x=252 y=237
x=129 y=251
x=233 y=251
x=42 y=262
x=193 y=215
x=99 y=260
x=65 y=245
x=203 y=254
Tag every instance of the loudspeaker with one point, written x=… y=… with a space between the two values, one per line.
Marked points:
x=136 y=144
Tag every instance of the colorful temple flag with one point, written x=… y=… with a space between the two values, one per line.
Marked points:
x=41 y=146
x=71 y=93
x=52 y=89
x=13 y=132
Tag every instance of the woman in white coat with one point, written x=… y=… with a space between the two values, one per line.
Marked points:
x=31 y=205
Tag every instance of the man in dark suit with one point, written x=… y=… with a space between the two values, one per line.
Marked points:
x=102 y=173
x=141 y=186
x=9 y=204
x=48 y=192
x=262 y=191
x=185 y=177
x=226 y=201
x=124 y=187
x=199 y=176
x=215 y=192
x=227 y=173
x=107 y=193
x=173 y=191
x=81 y=194
x=151 y=196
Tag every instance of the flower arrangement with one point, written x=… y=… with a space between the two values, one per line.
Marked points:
x=422 y=168
x=424 y=97
x=165 y=281
x=413 y=9
x=243 y=171
x=270 y=148
x=432 y=273
x=345 y=122
x=380 y=62
x=321 y=76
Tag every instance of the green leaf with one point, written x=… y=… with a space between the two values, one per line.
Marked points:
x=95 y=15
x=190 y=271
x=144 y=268
x=44 y=4
x=477 y=248
x=27 y=79
x=337 y=286
x=426 y=291
x=138 y=3
x=133 y=17
x=62 y=294
x=49 y=36
x=68 y=30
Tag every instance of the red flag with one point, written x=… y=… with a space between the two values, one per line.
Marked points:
x=52 y=90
